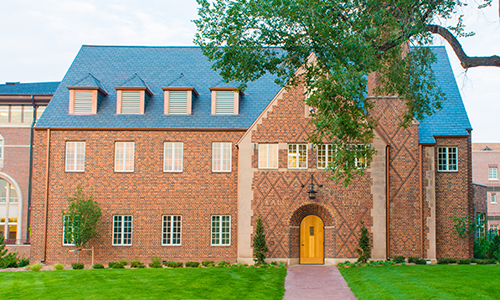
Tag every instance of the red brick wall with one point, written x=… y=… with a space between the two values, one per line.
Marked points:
x=480 y=199
x=147 y=194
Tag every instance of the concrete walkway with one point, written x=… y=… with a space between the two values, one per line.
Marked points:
x=304 y=282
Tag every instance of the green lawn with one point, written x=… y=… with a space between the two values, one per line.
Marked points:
x=186 y=283
x=425 y=282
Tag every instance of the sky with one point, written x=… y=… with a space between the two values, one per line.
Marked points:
x=40 y=38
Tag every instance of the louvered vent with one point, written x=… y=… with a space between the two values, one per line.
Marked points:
x=225 y=103
x=177 y=102
x=83 y=102
x=131 y=102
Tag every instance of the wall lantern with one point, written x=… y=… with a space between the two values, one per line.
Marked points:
x=312 y=192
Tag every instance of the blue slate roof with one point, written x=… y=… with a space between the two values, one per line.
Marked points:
x=35 y=88
x=89 y=81
x=159 y=67
x=452 y=119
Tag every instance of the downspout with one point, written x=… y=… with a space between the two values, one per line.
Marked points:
x=30 y=176
x=421 y=182
x=387 y=193
x=46 y=197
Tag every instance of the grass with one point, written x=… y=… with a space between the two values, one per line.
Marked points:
x=213 y=283
x=424 y=282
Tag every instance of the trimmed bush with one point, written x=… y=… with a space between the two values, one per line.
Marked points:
x=135 y=263
x=155 y=262
x=280 y=265
x=77 y=266
x=485 y=261
x=23 y=262
x=192 y=264
x=173 y=264
x=445 y=261
x=98 y=266
x=223 y=264
x=35 y=267
x=115 y=265
x=399 y=259
x=208 y=263
x=464 y=261
x=412 y=259
x=123 y=261
x=58 y=266
x=421 y=262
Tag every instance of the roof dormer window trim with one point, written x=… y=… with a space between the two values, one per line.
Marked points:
x=142 y=102
x=236 y=92
x=189 y=102
x=74 y=89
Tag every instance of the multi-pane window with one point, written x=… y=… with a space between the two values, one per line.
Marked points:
x=221 y=157
x=83 y=102
x=494 y=198
x=178 y=102
x=359 y=159
x=493 y=173
x=122 y=230
x=221 y=230
x=297 y=156
x=7 y=190
x=67 y=231
x=75 y=156
x=325 y=155
x=447 y=158
x=172 y=230
x=8 y=228
x=172 y=156
x=1 y=147
x=124 y=156
x=268 y=156
x=494 y=227
x=18 y=113
x=131 y=102
x=224 y=102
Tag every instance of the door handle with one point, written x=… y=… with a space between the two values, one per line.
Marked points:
x=302 y=245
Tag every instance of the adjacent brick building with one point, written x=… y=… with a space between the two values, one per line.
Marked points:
x=182 y=164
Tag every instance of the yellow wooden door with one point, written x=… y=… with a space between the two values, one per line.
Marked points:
x=311 y=240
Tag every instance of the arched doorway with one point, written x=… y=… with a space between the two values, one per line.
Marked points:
x=11 y=209
x=312 y=240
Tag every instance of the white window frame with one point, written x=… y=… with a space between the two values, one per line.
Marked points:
x=224 y=163
x=357 y=163
x=492 y=173
x=2 y=148
x=494 y=227
x=72 y=166
x=169 y=241
x=297 y=156
x=123 y=162
x=447 y=166
x=174 y=150
x=64 y=241
x=121 y=240
x=493 y=197
x=326 y=159
x=266 y=152
x=219 y=241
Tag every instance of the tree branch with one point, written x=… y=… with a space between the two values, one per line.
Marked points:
x=465 y=61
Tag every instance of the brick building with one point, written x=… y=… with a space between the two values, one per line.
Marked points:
x=485 y=160
x=20 y=106
x=182 y=164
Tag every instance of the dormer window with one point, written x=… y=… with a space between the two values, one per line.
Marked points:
x=225 y=101
x=84 y=101
x=178 y=100
x=132 y=100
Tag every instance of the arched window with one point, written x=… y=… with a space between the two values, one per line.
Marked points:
x=9 y=207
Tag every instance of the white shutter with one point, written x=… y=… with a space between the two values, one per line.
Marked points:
x=224 y=103
x=131 y=102
x=177 y=102
x=83 y=102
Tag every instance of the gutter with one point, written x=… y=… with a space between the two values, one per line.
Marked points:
x=46 y=198
x=30 y=176
x=387 y=194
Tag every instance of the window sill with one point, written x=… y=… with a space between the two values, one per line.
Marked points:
x=165 y=245
x=74 y=171
x=220 y=245
x=221 y=171
x=121 y=245
x=493 y=179
x=124 y=171
x=447 y=171
x=168 y=171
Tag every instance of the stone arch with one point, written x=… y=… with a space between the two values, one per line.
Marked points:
x=20 y=203
x=311 y=209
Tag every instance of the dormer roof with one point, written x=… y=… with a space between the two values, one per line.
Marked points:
x=89 y=81
x=135 y=83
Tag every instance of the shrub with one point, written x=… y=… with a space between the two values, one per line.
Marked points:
x=173 y=264
x=58 y=266
x=464 y=261
x=123 y=261
x=35 y=267
x=23 y=262
x=412 y=259
x=403 y=264
x=280 y=265
x=485 y=261
x=141 y=266
x=155 y=262
x=111 y=264
x=192 y=264
x=445 y=261
x=77 y=266
x=135 y=263
x=274 y=263
x=364 y=250
x=9 y=261
x=388 y=263
x=259 y=243
x=340 y=265
x=98 y=266
x=208 y=263
x=399 y=259
x=223 y=264
x=421 y=262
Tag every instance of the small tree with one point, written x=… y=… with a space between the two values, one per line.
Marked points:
x=364 y=250
x=3 y=251
x=259 y=243
x=81 y=218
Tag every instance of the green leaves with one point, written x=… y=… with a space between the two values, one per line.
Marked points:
x=338 y=44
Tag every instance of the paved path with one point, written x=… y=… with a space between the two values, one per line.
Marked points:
x=304 y=282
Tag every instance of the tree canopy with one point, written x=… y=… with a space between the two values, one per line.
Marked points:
x=349 y=40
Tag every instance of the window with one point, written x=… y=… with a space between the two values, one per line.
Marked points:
x=83 y=102
x=221 y=230
x=297 y=156
x=67 y=231
x=178 y=100
x=268 y=156
x=10 y=228
x=131 y=102
x=493 y=173
x=325 y=155
x=172 y=156
x=447 y=158
x=122 y=230
x=221 y=157
x=494 y=227
x=172 y=230
x=493 y=198
x=1 y=148
x=225 y=101
x=7 y=190
x=16 y=114
x=124 y=156
x=359 y=159
x=75 y=156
